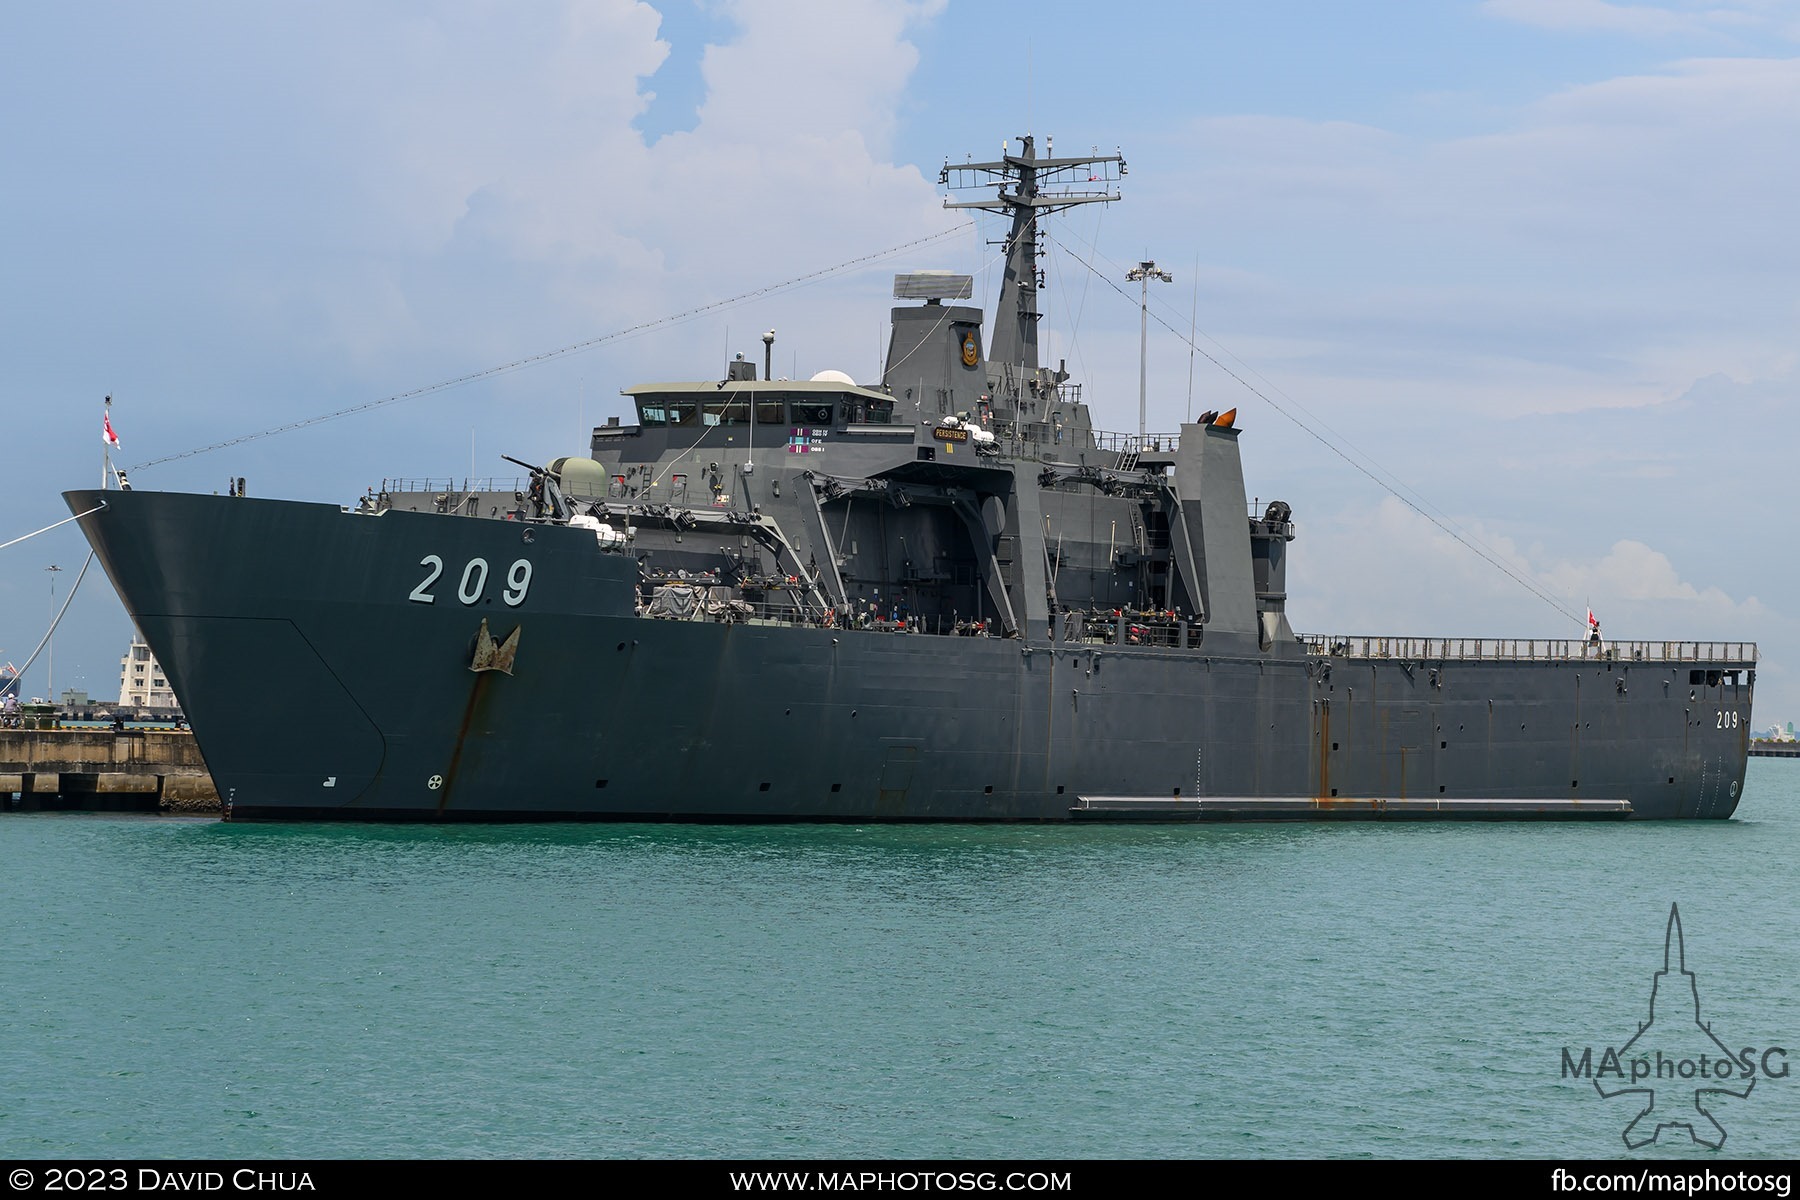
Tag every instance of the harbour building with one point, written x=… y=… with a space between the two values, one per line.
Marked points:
x=141 y=680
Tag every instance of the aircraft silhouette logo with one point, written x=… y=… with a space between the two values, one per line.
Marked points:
x=1691 y=1066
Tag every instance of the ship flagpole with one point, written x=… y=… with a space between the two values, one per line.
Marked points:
x=108 y=439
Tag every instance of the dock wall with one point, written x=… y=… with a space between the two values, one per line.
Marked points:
x=98 y=770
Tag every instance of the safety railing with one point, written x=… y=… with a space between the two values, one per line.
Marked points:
x=454 y=487
x=1530 y=649
x=1048 y=439
x=736 y=610
x=1132 y=443
x=1112 y=628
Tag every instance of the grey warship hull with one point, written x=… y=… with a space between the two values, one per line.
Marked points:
x=942 y=596
x=319 y=690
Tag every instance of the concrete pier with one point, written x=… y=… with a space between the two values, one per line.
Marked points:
x=98 y=770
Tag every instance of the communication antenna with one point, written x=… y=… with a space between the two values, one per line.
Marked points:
x=1142 y=274
x=1026 y=188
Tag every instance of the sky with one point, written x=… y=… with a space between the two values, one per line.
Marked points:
x=1506 y=292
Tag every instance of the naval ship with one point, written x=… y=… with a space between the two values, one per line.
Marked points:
x=940 y=596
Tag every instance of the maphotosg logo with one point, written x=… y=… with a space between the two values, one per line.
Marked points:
x=1675 y=1067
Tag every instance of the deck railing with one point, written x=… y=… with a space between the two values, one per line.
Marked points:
x=754 y=612
x=1147 y=630
x=1132 y=443
x=455 y=487
x=1530 y=649
x=1045 y=439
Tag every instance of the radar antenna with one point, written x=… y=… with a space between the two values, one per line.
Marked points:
x=1026 y=187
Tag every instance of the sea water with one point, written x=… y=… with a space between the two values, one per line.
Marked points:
x=181 y=988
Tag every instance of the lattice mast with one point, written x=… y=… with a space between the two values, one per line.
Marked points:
x=1028 y=187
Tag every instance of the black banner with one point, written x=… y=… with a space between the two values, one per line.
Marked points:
x=772 y=1177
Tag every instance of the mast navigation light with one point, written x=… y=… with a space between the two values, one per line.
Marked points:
x=1142 y=274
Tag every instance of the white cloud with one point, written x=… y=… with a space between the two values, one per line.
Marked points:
x=474 y=188
x=1649 y=172
x=1616 y=242
x=491 y=100
x=1382 y=569
x=806 y=73
x=1643 y=578
x=540 y=172
x=1399 y=572
x=1637 y=20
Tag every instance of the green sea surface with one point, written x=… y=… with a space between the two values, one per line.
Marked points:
x=183 y=988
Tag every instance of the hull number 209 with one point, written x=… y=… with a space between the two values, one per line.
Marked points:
x=472 y=587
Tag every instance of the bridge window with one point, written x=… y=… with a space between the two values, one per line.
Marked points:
x=726 y=412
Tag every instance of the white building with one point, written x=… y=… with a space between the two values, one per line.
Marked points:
x=141 y=682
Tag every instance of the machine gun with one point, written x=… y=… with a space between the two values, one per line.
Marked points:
x=544 y=492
